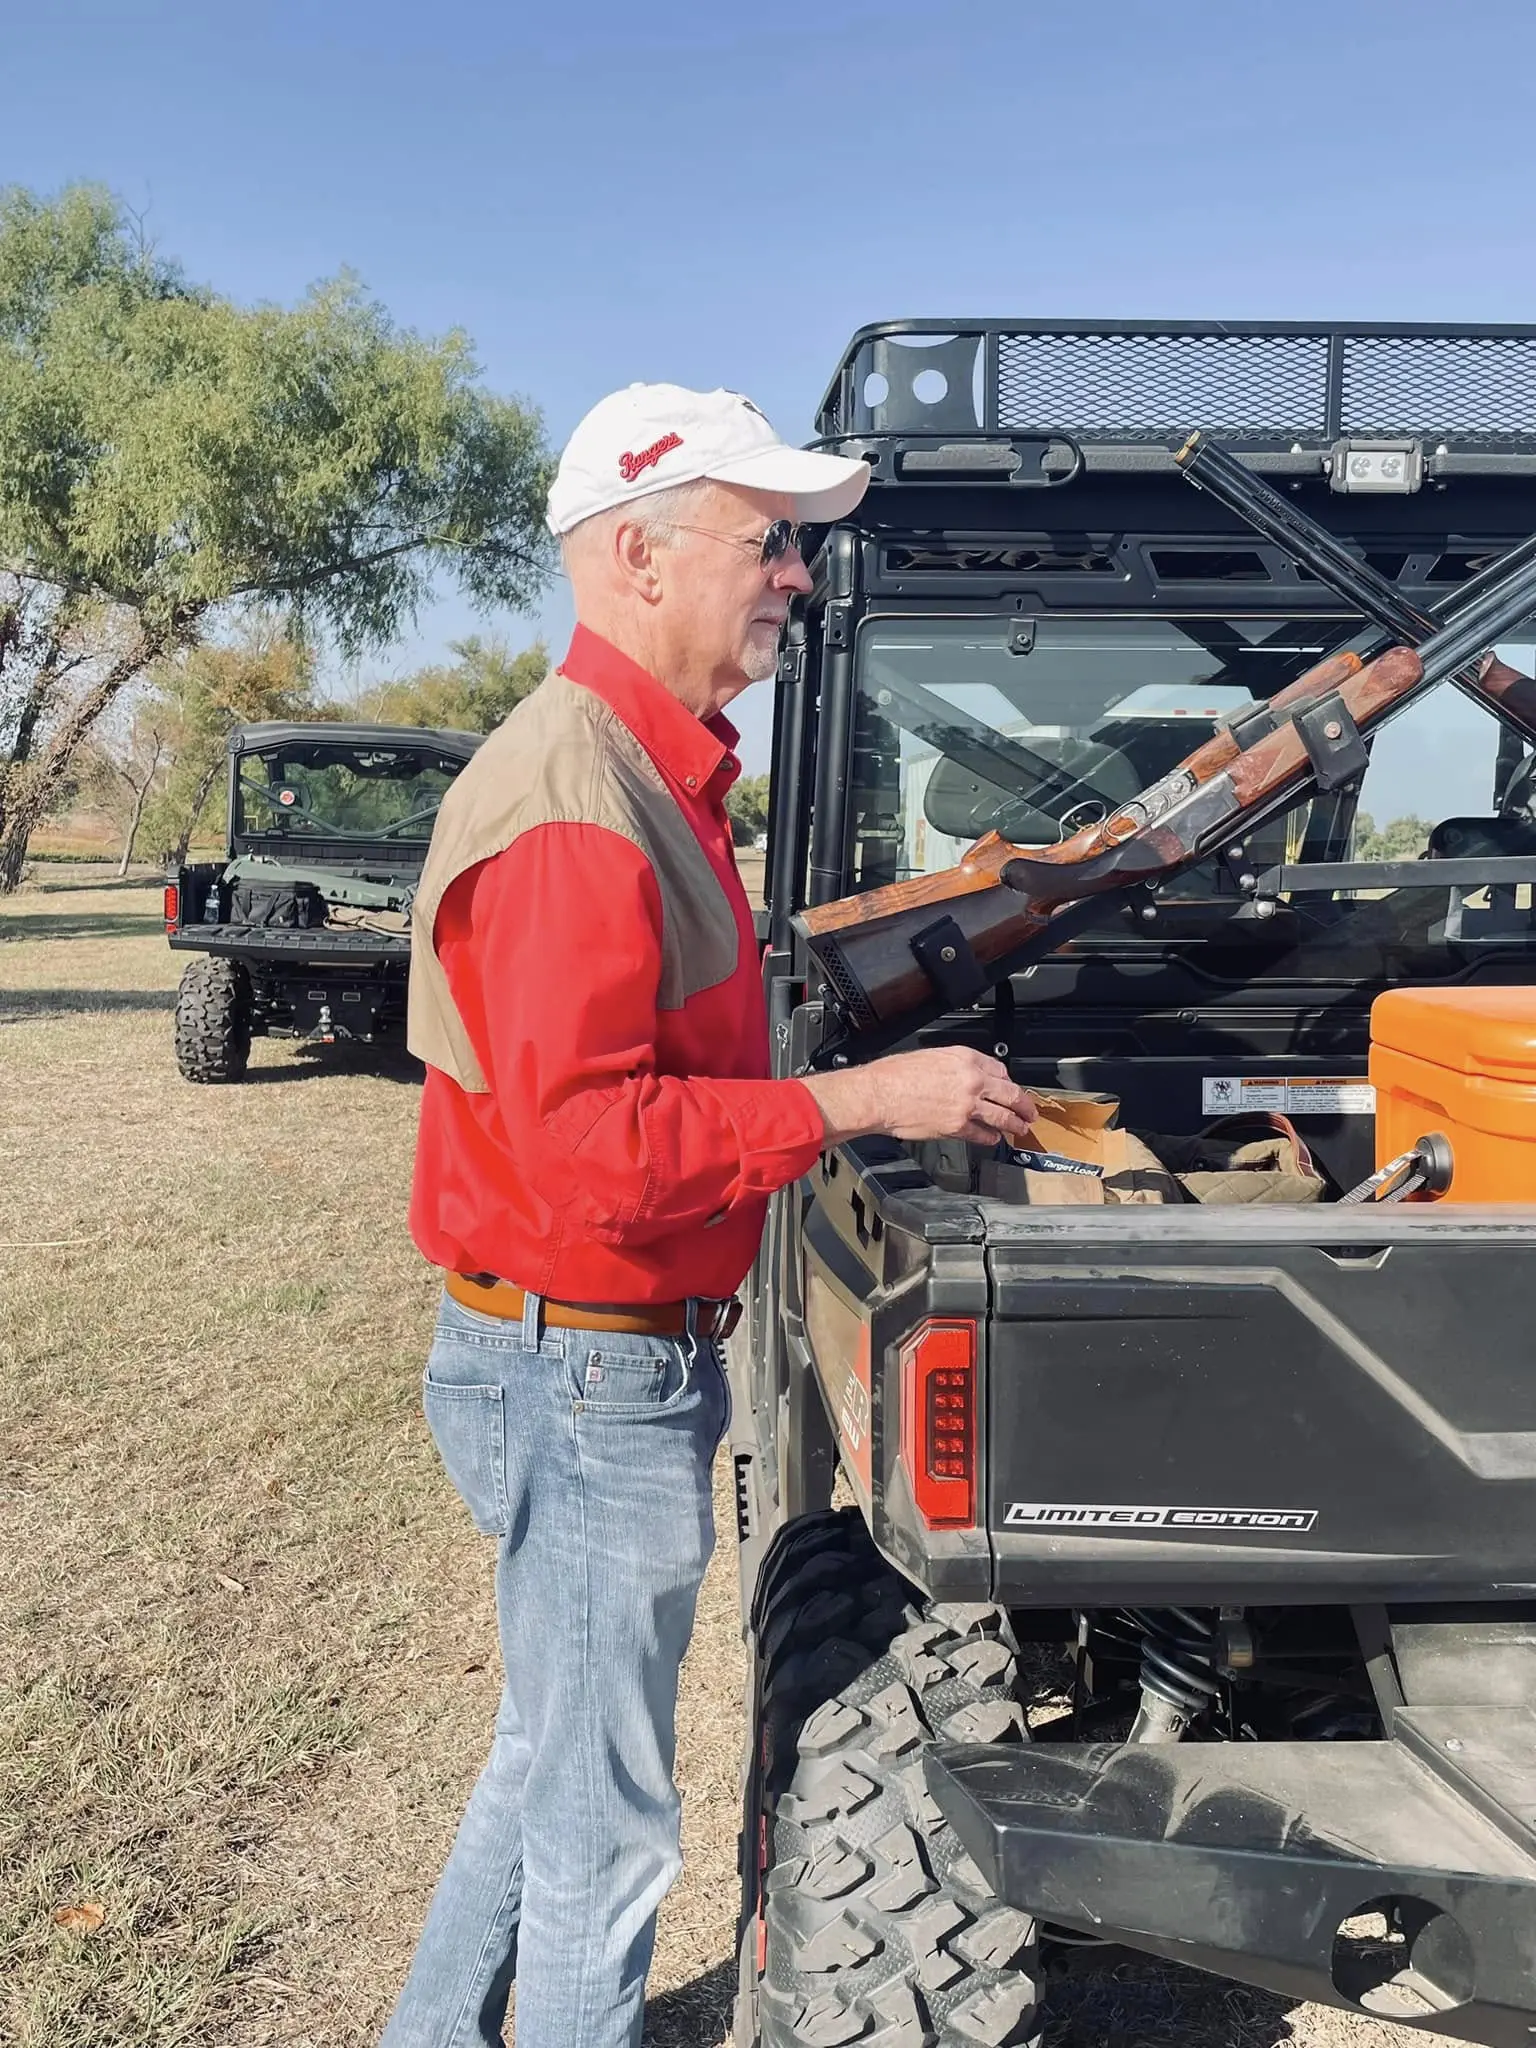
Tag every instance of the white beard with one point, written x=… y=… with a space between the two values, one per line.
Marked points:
x=760 y=661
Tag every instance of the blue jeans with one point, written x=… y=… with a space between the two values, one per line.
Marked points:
x=587 y=1456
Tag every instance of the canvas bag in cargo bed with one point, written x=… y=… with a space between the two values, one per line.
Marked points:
x=1081 y=1156
x=278 y=905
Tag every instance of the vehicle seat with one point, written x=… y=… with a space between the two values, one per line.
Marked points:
x=1481 y=838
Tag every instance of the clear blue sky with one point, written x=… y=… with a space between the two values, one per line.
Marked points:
x=720 y=193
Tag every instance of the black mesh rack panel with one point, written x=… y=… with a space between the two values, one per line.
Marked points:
x=1146 y=382
x=1125 y=387
x=1477 y=388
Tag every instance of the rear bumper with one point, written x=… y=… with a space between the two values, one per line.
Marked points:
x=1246 y=1859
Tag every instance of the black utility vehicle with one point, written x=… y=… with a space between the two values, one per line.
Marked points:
x=1183 y=1593
x=304 y=929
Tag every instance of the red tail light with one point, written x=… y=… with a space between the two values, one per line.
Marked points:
x=938 y=1421
x=172 y=906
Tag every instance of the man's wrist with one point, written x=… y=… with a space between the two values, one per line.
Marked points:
x=848 y=1101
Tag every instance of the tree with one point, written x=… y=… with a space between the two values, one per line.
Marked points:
x=472 y=694
x=1399 y=839
x=196 y=697
x=167 y=458
x=746 y=805
x=138 y=769
x=44 y=653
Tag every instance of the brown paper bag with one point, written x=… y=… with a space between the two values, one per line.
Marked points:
x=1080 y=1128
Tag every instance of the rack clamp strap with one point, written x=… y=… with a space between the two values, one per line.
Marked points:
x=1250 y=726
x=1333 y=743
x=944 y=954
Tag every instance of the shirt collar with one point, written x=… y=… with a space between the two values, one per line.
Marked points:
x=687 y=749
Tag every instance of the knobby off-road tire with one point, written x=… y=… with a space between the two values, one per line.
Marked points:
x=877 y=1927
x=213 y=1021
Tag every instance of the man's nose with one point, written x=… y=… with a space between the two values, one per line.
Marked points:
x=790 y=572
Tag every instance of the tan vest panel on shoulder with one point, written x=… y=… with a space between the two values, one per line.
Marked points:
x=563 y=757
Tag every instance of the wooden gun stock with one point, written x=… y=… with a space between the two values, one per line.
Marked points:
x=1504 y=689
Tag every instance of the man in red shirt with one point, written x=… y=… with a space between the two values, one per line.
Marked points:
x=599 y=1139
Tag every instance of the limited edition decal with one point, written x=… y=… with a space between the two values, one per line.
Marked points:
x=1133 y=1521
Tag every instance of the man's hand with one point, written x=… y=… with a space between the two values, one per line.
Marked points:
x=949 y=1092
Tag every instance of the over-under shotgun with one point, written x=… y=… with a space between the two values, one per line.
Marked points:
x=1495 y=685
x=889 y=951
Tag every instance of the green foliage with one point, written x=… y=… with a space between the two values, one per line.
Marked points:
x=746 y=805
x=164 y=449
x=167 y=457
x=194 y=698
x=471 y=694
x=1399 y=839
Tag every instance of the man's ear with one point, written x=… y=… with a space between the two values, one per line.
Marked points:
x=635 y=557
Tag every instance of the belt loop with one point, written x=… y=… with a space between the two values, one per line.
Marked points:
x=533 y=1319
x=691 y=1318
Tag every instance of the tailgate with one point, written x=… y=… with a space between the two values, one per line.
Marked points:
x=1188 y=1405
x=1296 y=1404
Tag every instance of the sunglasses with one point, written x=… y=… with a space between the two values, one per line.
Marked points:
x=772 y=545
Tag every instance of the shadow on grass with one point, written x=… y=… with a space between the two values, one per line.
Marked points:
x=695 y=2015
x=325 y=1062
x=18 y=1005
x=53 y=882
x=81 y=924
x=1136 y=2002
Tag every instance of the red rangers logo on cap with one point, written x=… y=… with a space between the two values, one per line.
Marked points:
x=630 y=466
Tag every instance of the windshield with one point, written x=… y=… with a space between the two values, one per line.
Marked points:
x=326 y=789
x=1034 y=728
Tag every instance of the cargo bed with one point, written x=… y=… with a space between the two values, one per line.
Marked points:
x=1299 y=1410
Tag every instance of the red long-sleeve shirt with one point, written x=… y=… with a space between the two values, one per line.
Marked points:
x=624 y=1153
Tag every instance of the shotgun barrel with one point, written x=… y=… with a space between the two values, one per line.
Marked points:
x=1216 y=470
x=891 y=950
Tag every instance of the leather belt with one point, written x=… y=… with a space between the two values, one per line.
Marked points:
x=493 y=1297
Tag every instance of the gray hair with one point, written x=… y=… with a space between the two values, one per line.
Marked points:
x=660 y=515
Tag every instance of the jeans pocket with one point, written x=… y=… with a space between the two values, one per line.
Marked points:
x=468 y=1427
x=619 y=1373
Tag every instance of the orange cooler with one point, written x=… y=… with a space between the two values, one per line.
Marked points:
x=1461 y=1062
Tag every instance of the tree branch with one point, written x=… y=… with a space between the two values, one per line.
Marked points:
x=19 y=813
x=351 y=564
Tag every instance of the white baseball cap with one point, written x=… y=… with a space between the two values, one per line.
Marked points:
x=651 y=437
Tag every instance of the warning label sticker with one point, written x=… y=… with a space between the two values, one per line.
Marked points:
x=1312 y=1095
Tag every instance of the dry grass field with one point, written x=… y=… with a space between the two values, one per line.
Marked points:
x=250 y=1661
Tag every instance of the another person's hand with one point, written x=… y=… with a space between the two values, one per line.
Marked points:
x=950 y=1091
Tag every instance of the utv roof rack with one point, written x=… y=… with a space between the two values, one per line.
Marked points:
x=1029 y=401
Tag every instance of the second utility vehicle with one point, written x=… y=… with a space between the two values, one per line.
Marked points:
x=303 y=929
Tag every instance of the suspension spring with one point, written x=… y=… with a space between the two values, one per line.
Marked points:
x=1178 y=1670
